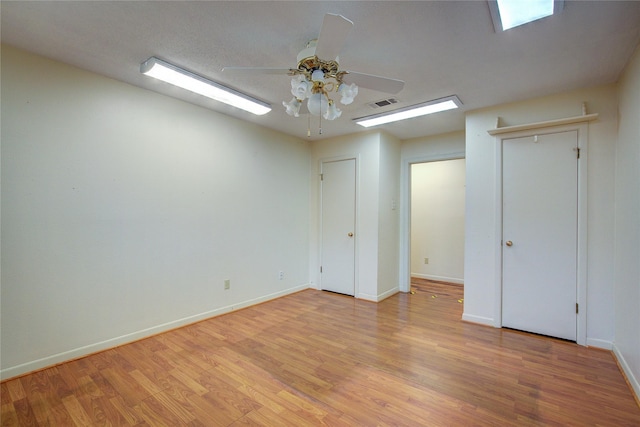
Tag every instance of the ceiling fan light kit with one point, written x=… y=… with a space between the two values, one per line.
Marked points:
x=314 y=79
x=192 y=82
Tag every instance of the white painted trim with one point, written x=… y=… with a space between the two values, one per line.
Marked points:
x=497 y=301
x=45 y=362
x=356 y=249
x=583 y=231
x=438 y=278
x=367 y=297
x=605 y=345
x=582 y=128
x=628 y=373
x=405 y=211
x=378 y=298
x=486 y=321
x=387 y=294
x=543 y=125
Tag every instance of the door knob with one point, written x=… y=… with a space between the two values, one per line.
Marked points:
x=509 y=243
x=350 y=234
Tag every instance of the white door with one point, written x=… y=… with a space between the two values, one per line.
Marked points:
x=539 y=235
x=337 y=267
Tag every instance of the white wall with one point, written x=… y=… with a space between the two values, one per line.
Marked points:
x=436 y=147
x=123 y=212
x=437 y=220
x=480 y=227
x=627 y=225
x=364 y=148
x=389 y=216
x=374 y=226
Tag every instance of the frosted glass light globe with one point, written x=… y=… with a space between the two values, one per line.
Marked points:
x=317 y=76
x=318 y=104
x=292 y=107
x=333 y=112
x=300 y=87
x=348 y=92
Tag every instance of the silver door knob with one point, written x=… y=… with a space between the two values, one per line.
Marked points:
x=509 y=243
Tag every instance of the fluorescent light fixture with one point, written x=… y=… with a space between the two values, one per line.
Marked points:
x=169 y=73
x=508 y=14
x=430 y=107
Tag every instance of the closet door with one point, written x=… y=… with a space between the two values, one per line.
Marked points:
x=539 y=233
x=338 y=226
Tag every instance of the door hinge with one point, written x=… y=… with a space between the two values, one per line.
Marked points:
x=577 y=152
x=321 y=177
x=320 y=269
x=576 y=308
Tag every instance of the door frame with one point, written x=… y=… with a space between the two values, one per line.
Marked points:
x=404 y=278
x=356 y=272
x=582 y=130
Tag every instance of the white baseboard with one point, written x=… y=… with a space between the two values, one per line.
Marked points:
x=487 y=321
x=380 y=297
x=438 y=278
x=76 y=353
x=628 y=373
x=605 y=345
x=367 y=297
x=389 y=293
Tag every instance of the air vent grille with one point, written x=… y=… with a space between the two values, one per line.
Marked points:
x=383 y=103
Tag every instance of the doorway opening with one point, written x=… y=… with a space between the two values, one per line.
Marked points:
x=436 y=232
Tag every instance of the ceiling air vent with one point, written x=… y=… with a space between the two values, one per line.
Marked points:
x=383 y=103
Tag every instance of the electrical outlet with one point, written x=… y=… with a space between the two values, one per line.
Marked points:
x=227 y=284
x=426 y=260
x=280 y=275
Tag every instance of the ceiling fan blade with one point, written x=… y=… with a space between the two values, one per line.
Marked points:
x=333 y=34
x=256 y=70
x=369 y=81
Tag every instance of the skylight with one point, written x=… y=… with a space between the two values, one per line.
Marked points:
x=513 y=13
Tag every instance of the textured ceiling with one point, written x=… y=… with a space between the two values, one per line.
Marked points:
x=438 y=48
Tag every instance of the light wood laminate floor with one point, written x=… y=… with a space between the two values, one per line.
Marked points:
x=317 y=358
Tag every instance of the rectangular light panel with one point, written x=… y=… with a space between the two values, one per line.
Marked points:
x=430 y=107
x=192 y=82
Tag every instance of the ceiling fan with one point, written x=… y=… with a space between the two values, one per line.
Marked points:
x=318 y=73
